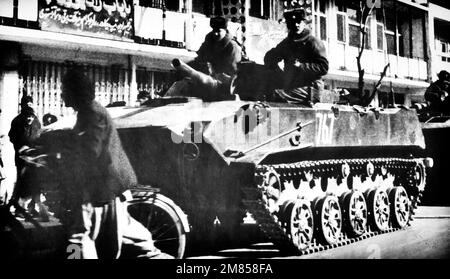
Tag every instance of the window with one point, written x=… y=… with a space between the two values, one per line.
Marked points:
x=202 y=7
x=355 y=36
x=322 y=5
x=341 y=27
x=352 y=14
x=418 y=34
x=340 y=4
x=380 y=36
x=386 y=21
x=260 y=8
x=444 y=47
x=367 y=42
x=323 y=28
x=320 y=19
x=390 y=42
x=348 y=16
x=171 y=5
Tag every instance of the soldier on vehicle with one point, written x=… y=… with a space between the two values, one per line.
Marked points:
x=219 y=54
x=304 y=60
x=217 y=57
x=437 y=94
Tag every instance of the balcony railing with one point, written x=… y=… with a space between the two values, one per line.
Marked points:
x=343 y=57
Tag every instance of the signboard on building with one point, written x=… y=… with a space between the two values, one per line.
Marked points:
x=109 y=19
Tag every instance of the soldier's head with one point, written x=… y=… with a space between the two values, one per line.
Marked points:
x=444 y=76
x=295 y=20
x=219 y=27
x=143 y=96
x=444 y=79
x=77 y=89
x=48 y=119
x=28 y=112
x=26 y=101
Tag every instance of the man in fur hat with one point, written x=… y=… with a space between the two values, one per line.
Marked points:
x=219 y=50
x=217 y=57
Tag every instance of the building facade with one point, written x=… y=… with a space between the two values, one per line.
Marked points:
x=127 y=45
x=439 y=24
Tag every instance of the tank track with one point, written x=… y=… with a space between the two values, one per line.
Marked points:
x=253 y=197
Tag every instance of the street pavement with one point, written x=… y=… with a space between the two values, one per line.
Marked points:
x=428 y=237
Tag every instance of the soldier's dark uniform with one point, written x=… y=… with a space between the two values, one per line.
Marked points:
x=217 y=57
x=224 y=55
x=304 y=60
x=437 y=94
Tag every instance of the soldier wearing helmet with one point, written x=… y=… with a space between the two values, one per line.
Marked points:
x=304 y=60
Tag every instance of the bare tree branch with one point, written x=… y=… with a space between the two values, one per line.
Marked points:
x=362 y=29
x=377 y=85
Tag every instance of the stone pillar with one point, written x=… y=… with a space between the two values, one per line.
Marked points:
x=133 y=81
x=9 y=103
x=430 y=45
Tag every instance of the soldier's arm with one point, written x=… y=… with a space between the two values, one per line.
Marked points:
x=14 y=133
x=274 y=56
x=91 y=134
x=433 y=94
x=199 y=63
x=318 y=65
x=37 y=129
x=202 y=53
x=234 y=56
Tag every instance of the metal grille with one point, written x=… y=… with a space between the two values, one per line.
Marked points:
x=42 y=81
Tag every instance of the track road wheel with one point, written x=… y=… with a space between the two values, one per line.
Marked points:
x=300 y=223
x=400 y=207
x=272 y=190
x=328 y=214
x=161 y=219
x=379 y=212
x=354 y=211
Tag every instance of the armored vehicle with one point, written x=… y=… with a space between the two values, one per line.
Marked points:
x=436 y=131
x=305 y=178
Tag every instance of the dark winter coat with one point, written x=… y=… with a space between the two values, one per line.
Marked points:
x=223 y=55
x=307 y=50
x=108 y=172
x=437 y=94
x=21 y=134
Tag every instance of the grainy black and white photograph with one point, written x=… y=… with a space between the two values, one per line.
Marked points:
x=224 y=129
